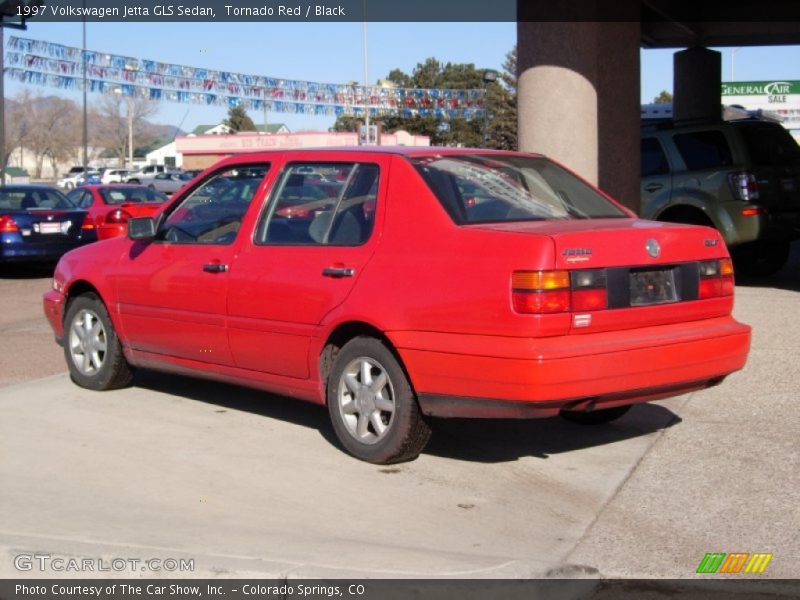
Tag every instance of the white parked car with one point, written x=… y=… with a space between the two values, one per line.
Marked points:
x=114 y=176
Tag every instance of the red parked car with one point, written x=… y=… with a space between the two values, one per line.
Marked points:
x=111 y=205
x=436 y=282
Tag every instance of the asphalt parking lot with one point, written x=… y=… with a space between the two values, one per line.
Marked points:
x=249 y=484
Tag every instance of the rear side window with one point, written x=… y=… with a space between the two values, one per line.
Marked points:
x=33 y=198
x=703 y=150
x=769 y=144
x=654 y=161
x=496 y=188
x=322 y=204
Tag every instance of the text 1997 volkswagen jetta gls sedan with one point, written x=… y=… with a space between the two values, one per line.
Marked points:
x=395 y=284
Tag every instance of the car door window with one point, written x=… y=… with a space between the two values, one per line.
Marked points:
x=703 y=150
x=322 y=204
x=213 y=212
x=654 y=161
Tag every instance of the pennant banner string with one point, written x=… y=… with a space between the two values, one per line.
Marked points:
x=55 y=65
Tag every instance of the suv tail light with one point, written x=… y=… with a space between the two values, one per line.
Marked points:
x=716 y=278
x=743 y=186
x=8 y=225
x=539 y=292
x=118 y=216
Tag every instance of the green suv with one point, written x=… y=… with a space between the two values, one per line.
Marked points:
x=741 y=177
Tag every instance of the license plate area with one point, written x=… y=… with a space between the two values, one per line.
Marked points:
x=650 y=286
x=50 y=227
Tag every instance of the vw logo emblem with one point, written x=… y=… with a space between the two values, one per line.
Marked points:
x=653 y=249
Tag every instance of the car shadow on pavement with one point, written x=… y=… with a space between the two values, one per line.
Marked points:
x=501 y=440
x=473 y=440
x=26 y=271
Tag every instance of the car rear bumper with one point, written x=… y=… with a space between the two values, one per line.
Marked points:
x=492 y=376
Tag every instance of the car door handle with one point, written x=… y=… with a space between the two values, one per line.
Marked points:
x=215 y=268
x=338 y=272
x=653 y=187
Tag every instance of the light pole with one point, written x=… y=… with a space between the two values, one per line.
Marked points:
x=366 y=75
x=489 y=76
x=733 y=63
x=85 y=117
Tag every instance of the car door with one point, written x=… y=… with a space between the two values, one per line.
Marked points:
x=310 y=246
x=656 y=178
x=172 y=290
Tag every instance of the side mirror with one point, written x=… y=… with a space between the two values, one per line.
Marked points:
x=141 y=228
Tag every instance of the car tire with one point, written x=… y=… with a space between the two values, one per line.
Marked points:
x=761 y=259
x=91 y=346
x=594 y=417
x=134 y=181
x=372 y=406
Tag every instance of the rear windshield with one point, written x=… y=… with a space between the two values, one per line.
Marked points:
x=491 y=189
x=769 y=144
x=32 y=199
x=120 y=195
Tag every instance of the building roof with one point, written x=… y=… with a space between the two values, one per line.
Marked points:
x=271 y=128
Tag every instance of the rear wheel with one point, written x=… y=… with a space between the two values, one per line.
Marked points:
x=92 y=349
x=373 y=409
x=594 y=417
x=761 y=259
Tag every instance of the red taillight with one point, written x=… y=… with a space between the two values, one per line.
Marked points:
x=541 y=302
x=8 y=225
x=87 y=223
x=540 y=292
x=716 y=278
x=559 y=291
x=588 y=300
x=117 y=216
x=291 y=212
x=744 y=186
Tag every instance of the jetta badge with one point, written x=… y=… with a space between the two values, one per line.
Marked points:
x=653 y=249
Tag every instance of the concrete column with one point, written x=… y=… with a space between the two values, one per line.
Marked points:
x=578 y=100
x=697 y=83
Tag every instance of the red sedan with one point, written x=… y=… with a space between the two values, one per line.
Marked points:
x=436 y=282
x=111 y=205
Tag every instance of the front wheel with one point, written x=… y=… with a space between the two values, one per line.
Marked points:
x=594 y=417
x=92 y=349
x=373 y=409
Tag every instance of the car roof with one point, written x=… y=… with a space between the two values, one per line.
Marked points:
x=106 y=186
x=25 y=187
x=386 y=150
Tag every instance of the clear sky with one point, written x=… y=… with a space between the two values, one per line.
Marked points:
x=332 y=53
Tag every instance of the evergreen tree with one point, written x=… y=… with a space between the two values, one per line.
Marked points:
x=239 y=120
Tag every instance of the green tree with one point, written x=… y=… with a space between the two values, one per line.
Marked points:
x=663 y=98
x=432 y=74
x=239 y=120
